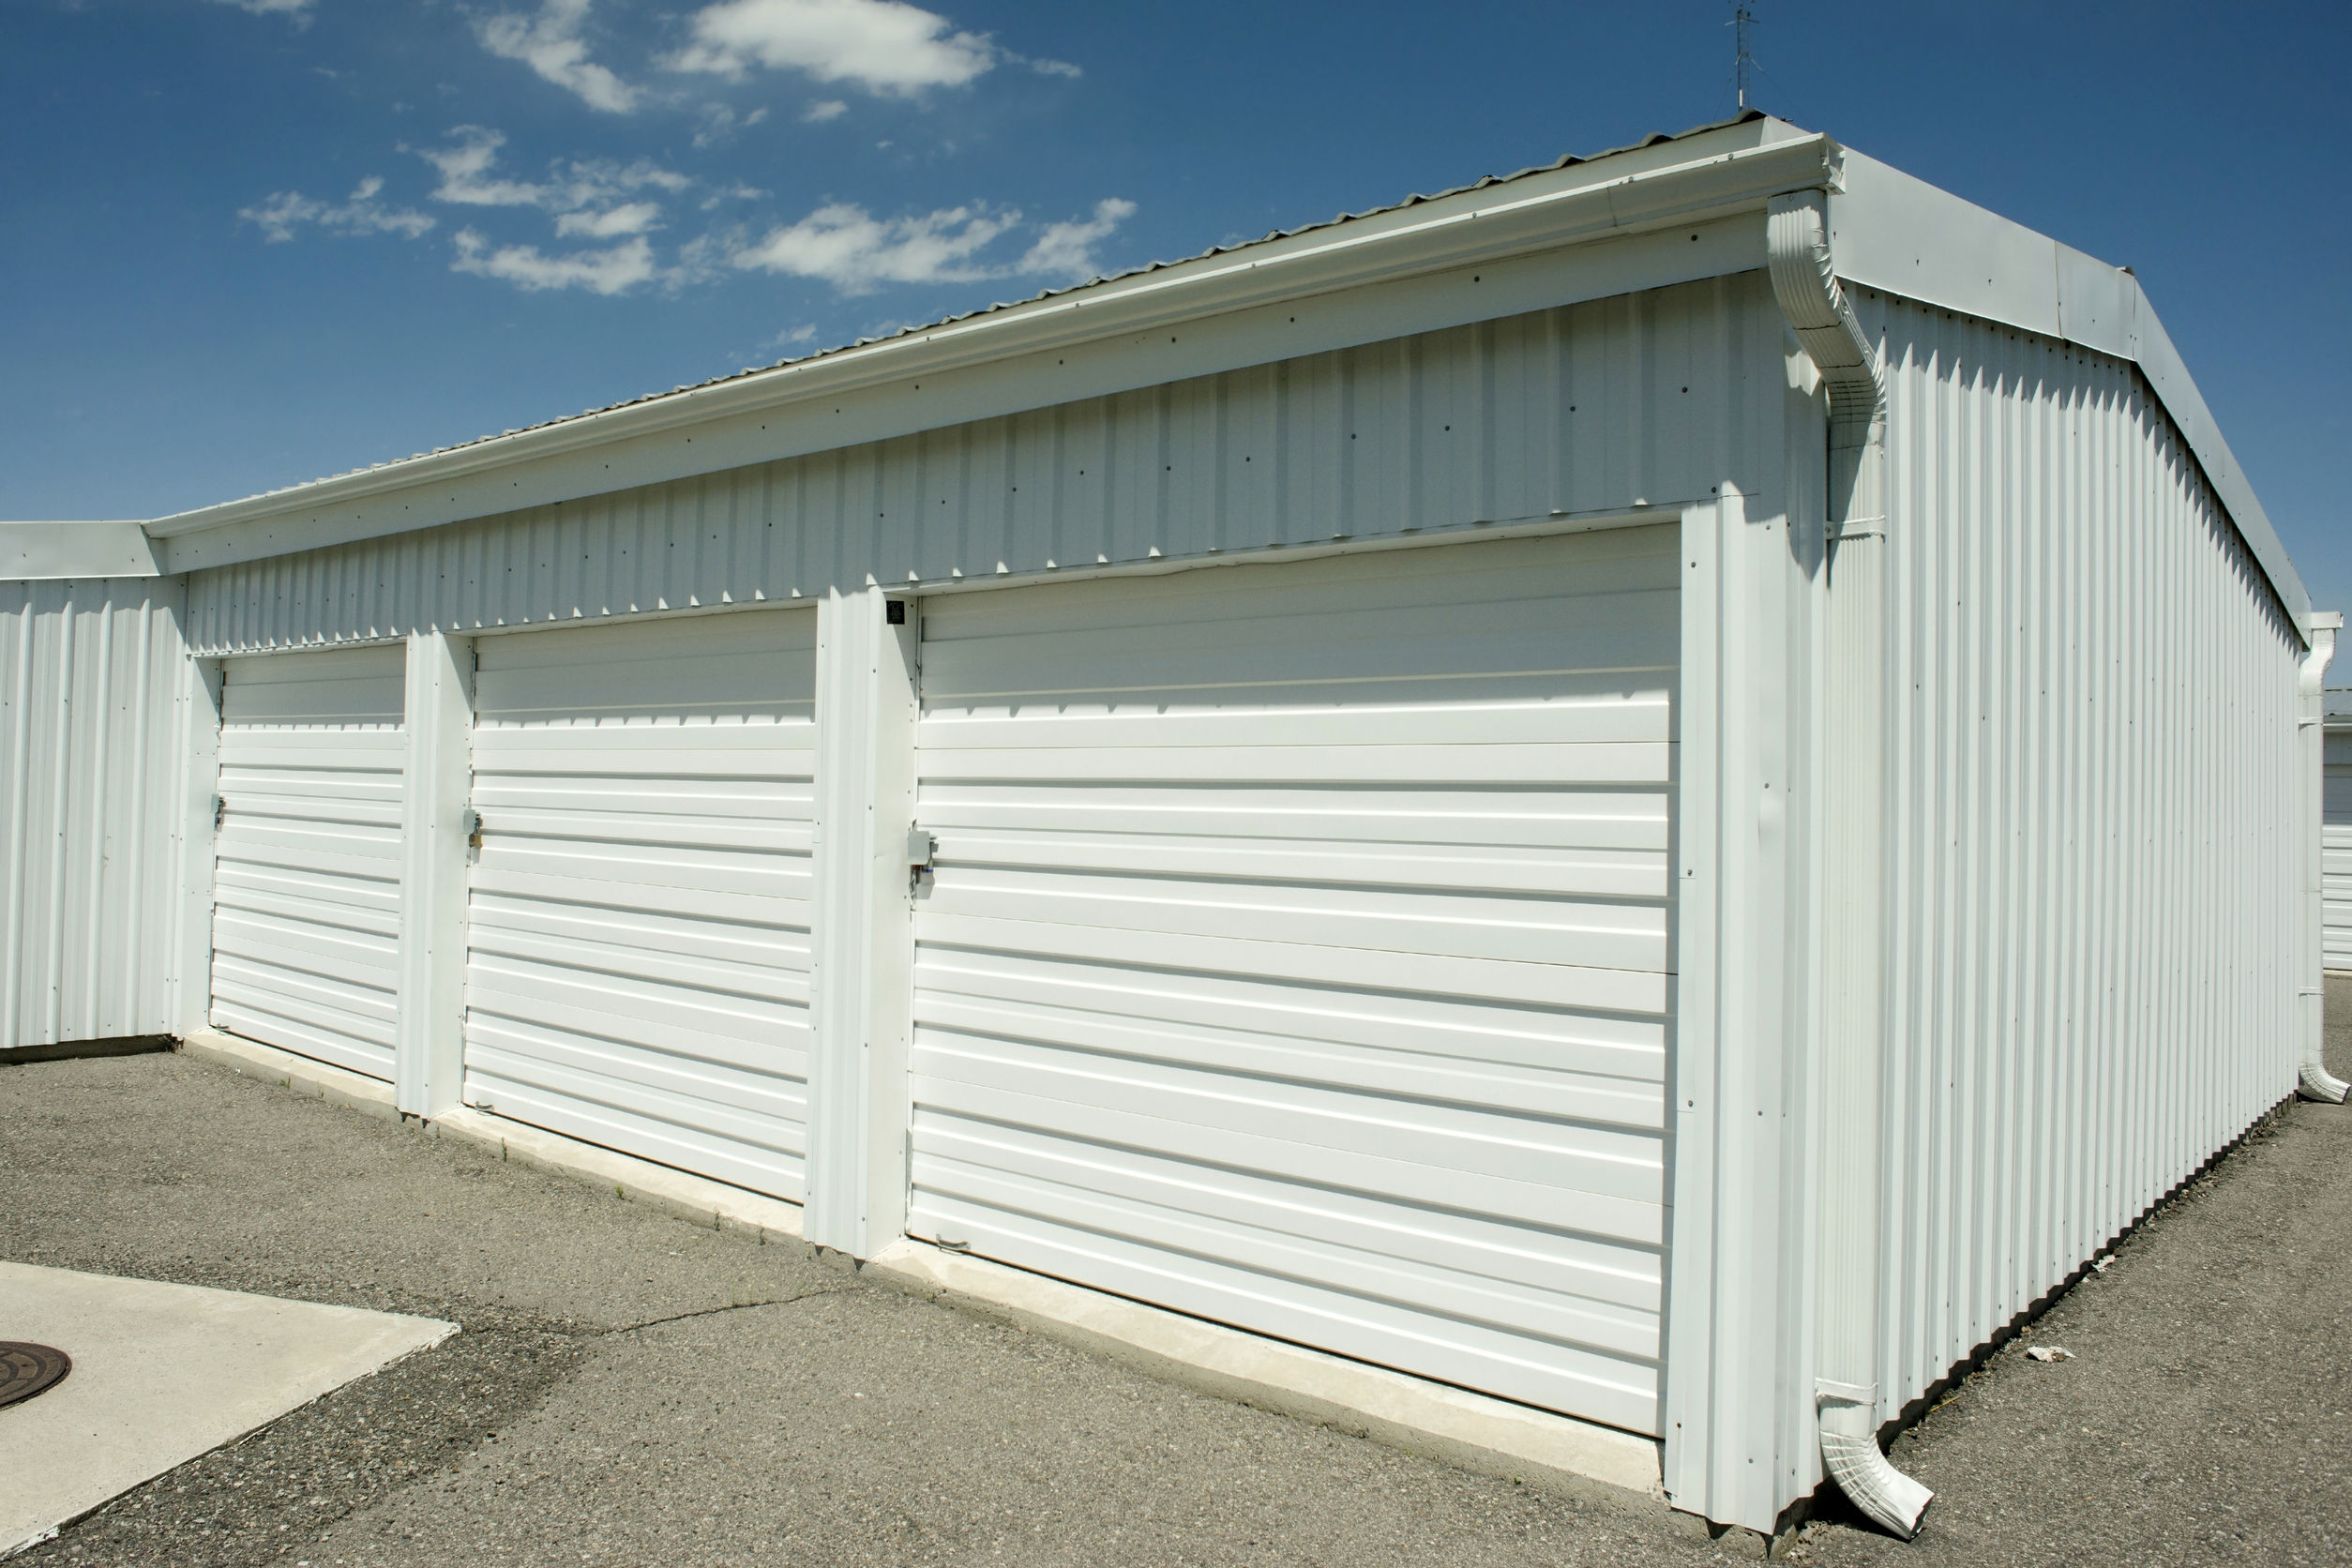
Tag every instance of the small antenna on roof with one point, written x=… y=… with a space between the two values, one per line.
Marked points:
x=1743 y=25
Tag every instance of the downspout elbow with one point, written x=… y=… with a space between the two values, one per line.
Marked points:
x=1851 y=1454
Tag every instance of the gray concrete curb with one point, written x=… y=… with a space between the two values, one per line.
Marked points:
x=1490 y=1437
x=713 y=1205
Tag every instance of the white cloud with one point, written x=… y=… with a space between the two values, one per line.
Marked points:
x=465 y=166
x=467 y=179
x=720 y=123
x=298 y=9
x=855 y=251
x=551 y=44
x=726 y=194
x=605 y=272
x=1067 y=249
x=1055 y=67
x=826 y=109
x=286 y=211
x=884 y=46
x=633 y=218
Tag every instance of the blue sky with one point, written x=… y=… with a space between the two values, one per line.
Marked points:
x=249 y=241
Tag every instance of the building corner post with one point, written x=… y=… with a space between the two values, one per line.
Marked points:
x=1850 y=1060
x=198 y=842
x=2313 y=1080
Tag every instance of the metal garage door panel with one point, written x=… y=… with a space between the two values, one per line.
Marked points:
x=306 y=875
x=637 y=966
x=1297 y=952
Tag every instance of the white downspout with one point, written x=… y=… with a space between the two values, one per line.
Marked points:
x=2316 y=1082
x=1852 y=1042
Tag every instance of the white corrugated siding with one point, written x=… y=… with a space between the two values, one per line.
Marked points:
x=1297 y=953
x=1588 y=408
x=637 y=963
x=91 y=674
x=306 y=880
x=2094 y=915
x=2336 y=852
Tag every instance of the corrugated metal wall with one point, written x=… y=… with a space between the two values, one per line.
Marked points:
x=2093 y=805
x=1588 y=408
x=90 y=674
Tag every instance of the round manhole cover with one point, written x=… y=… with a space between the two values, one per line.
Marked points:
x=28 y=1369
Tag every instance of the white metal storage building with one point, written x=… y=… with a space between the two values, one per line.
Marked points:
x=1664 y=789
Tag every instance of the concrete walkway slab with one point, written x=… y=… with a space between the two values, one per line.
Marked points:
x=162 y=1373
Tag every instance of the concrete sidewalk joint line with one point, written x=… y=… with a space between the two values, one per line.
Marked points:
x=1492 y=1437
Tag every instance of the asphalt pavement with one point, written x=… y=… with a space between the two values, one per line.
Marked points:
x=630 y=1388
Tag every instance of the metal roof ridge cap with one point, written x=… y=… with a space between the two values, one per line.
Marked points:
x=1049 y=322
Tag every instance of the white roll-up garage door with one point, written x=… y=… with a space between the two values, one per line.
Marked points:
x=1297 y=952
x=637 y=963
x=2336 y=847
x=307 y=879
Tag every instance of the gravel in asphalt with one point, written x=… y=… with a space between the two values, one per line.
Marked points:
x=631 y=1389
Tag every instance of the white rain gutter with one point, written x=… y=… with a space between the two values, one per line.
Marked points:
x=2315 y=1082
x=1852 y=1048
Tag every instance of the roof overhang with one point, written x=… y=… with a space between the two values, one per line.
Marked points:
x=1670 y=211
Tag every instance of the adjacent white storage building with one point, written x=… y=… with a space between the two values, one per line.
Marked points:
x=2336 y=841
x=1665 y=790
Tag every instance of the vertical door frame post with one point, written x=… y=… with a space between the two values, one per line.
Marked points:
x=862 y=954
x=199 y=699
x=429 y=1041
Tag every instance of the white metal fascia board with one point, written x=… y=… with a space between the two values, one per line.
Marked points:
x=39 y=551
x=1090 y=343
x=1893 y=232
